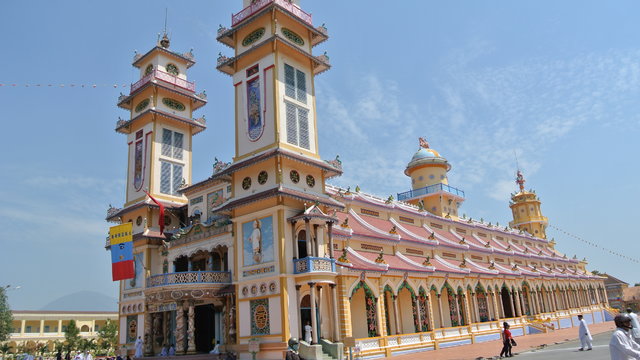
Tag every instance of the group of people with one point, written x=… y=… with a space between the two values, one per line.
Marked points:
x=624 y=344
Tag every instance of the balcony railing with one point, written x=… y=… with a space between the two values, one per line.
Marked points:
x=430 y=190
x=313 y=264
x=166 y=77
x=190 y=277
x=260 y=4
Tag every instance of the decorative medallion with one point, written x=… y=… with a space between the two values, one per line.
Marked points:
x=262 y=177
x=260 y=317
x=263 y=288
x=176 y=294
x=245 y=291
x=172 y=69
x=173 y=104
x=197 y=293
x=148 y=70
x=139 y=220
x=246 y=183
x=142 y=104
x=272 y=287
x=254 y=289
x=292 y=36
x=253 y=36
x=294 y=176
x=311 y=181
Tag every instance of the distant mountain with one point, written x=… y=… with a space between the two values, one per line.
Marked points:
x=83 y=301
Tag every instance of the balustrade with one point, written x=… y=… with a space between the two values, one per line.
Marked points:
x=166 y=77
x=314 y=264
x=190 y=277
x=260 y=4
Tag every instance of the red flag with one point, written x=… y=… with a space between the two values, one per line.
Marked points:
x=161 y=220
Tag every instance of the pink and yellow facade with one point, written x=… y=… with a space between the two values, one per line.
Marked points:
x=264 y=247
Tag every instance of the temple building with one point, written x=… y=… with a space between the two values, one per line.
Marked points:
x=265 y=247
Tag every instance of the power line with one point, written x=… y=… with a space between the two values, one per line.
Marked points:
x=615 y=253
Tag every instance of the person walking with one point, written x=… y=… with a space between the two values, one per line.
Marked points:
x=506 y=341
x=621 y=345
x=635 y=332
x=584 y=334
x=139 y=344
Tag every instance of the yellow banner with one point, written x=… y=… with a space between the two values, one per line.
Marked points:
x=121 y=233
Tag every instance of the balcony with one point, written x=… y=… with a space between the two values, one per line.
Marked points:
x=313 y=264
x=189 y=277
x=431 y=189
x=166 y=77
x=261 y=4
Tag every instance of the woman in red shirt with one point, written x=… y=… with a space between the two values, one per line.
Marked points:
x=506 y=341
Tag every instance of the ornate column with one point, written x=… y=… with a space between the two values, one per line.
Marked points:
x=300 y=325
x=308 y=236
x=430 y=312
x=518 y=308
x=416 y=303
x=294 y=238
x=395 y=313
x=469 y=318
x=316 y=243
x=191 y=330
x=476 y=309
x=319 y=309
x=165 y=328
x=330 y=235
x=440 y=310
x=457 y=302
x=334 y=305
x=148 y=338
x=59 y=326
x=513 y=309
x=496 y=310
x=314 y=324
x=179 y=334
x=499 y=296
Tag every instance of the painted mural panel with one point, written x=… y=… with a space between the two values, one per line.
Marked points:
x=255 y=124
x=137 y=172
x=132 y=328
x=138 y=267
x=258 y=241
x=213 y=200
x=260 y=317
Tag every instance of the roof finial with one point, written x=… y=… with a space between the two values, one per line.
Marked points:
x=423 y=143
x=519 y=177
x=164 y=42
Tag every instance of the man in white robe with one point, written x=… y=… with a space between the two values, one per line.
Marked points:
x=635 y=332
x=88 y=356
x=139 y=344
x=622 y=346
x=585 y=335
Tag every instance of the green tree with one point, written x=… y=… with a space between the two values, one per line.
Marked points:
x=6 y=318
x=4 y=349
x=108 y=335
x=72 y=335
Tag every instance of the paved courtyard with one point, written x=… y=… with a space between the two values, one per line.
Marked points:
x=528 y=345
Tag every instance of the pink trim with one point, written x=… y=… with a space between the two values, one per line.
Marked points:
x=264 y=76
x=240 y=82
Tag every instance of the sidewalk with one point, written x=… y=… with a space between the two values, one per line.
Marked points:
x=490 y=349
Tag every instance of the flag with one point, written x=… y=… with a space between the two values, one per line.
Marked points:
x=121 y=240
x=161 y=219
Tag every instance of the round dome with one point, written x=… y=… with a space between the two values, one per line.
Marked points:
x=424 y=153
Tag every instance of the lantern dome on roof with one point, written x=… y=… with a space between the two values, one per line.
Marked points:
x=424 y=153
x=426 y=156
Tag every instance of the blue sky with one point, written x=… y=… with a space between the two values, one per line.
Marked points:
x=556 y=82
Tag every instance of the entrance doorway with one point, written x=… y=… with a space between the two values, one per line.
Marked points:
x=506 y=303
x=305 y=315
x=204 y=328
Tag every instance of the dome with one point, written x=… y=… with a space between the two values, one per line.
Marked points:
x=424 y=153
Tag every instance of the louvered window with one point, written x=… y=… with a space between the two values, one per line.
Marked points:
x=172 y=144
x=295 y=83
x=170 y=177
x=297 y=126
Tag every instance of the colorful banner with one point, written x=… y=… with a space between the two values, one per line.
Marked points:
x=121 y=240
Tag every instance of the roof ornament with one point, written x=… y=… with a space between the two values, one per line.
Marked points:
x=432 y=236
x=427 y=261
x=393 y=231
x=463 y=264
x=492 y=265
x=423 y=143
x=345 y=223
x=520 y=180
x=487 y=245
x=389 y=199
x=420 y=205
x=357 y=188
x=343 y=258
x=462 y=241
x=515 y=267
x=380 y=258
x=348 y=192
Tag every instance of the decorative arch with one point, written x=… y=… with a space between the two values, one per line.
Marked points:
x=480 y=288
x=370 y=306
x=406 y=285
